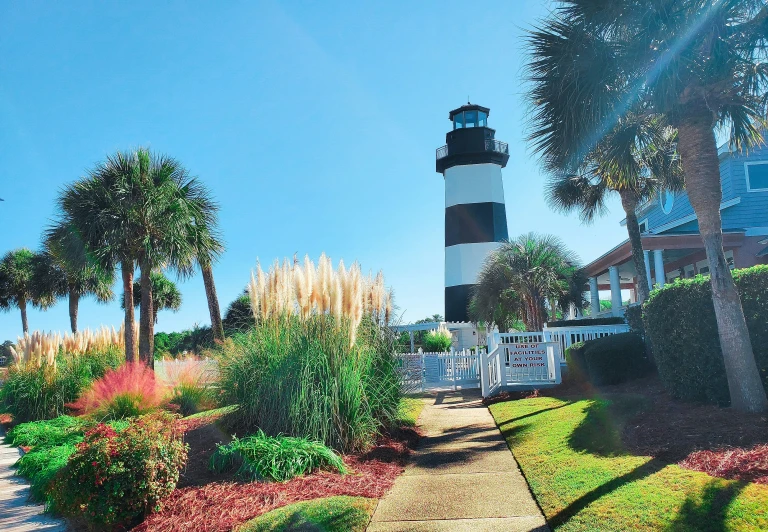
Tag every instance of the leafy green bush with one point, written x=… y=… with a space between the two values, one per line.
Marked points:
x=239 y=316
x=587 y=322
x=33 y=393
x=615 y=359
x=576 y=365
x=115 y=478
x=337 y=514
x=680 y=323
x=634 y=317
x=48 y=433
x=194 y=340
x=438 y=341
x=262 y=457
x=302 y=378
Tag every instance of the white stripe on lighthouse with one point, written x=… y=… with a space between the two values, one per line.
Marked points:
x=464 y=261
x=473 y=183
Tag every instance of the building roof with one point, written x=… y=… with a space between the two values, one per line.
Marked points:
x=468 y=107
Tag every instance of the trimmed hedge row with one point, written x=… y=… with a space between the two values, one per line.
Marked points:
x=679 y=321
x=586 y=322
x=610 y=360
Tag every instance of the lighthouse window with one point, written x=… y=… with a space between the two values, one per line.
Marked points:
x=470 y=118
x=482 y=119
x=458 y=120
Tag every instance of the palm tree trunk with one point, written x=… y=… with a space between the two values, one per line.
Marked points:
x=74 y=300
x=23 y=309
x=213 y=302
x=146 y=318
x=130 y=321
x=629 y=202
x=698 y=151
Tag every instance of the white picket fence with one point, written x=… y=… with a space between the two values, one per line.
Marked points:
x=521 y=360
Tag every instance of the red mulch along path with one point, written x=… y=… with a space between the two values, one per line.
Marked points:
x=750 y=465
x=211 y=502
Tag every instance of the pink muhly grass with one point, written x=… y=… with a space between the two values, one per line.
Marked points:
x=130 y=389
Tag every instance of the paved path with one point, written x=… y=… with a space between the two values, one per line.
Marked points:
x=462 y=477
x=17 y=513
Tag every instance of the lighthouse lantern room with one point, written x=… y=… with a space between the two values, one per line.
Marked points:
x=475 y=215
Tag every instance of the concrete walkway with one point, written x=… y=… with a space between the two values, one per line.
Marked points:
x=461 y=478
x=17 y=513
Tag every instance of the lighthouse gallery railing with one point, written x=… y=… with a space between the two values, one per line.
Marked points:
x=490 y=145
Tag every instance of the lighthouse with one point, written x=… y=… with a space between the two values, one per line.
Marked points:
x=475 y=215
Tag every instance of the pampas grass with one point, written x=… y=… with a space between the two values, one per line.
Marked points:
x=307 y=290
x=41 y=348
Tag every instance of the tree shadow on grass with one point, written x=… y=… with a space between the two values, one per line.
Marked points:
x=600 y=431
x=639 y=473
x=531 y=414
x=707 y=513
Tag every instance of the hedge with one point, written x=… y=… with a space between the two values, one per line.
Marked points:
x=587 y=322
x=609 y=360
x=679 y=321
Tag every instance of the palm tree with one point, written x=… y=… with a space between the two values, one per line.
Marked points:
x=139 y=208
x=521 y=276
x=701 y=64
x=637 y=161
x=16 y=284
x=62 y=270
x=210 y=247
x=165 y=294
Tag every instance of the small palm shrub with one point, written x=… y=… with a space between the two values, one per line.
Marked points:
x=438 y=340
x=115 y=477
x=128 y=391
x=262 y=457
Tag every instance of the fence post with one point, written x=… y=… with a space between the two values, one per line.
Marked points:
x=423 y=369
x=453 y=368
x=503 y=369
x=483 y=372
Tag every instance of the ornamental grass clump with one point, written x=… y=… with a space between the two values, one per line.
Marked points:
x=281 y=458
x=438 y=340
x=128 y=391
x=320 y=362
x=115 y=478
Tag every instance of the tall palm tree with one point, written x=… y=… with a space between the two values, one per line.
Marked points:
x=210 y=247
x=140 y=208
x=521 y=276
x=16 y=284
x=62 y=270
x=700 y=63
x=636 y=161
x=165 y=294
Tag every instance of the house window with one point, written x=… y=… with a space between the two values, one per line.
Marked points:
x=757 y=176
x=643 y=226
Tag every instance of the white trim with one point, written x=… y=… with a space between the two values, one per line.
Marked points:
x=463 y=262
x=747 y=164
x=691 y=217
x=473 y=183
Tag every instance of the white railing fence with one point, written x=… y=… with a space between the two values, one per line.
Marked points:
x=433 y=371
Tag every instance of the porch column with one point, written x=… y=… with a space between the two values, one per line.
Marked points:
x=647 y=260
x=658 y=265
x=594 y=296
x=413 y=348
x=613 y=273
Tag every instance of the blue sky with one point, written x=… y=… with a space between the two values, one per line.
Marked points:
x=314 y=124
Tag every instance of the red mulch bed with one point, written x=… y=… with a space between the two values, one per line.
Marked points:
x=206 y=502
x=750 y=465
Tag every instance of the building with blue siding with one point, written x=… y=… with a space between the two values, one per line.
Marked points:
x=670 y=232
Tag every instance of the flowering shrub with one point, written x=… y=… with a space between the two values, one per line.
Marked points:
x=131 y=390
x=115 y=478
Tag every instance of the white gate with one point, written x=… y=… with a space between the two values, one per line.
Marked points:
x=439 y=371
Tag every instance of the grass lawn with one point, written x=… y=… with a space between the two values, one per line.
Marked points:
x=571 y=453
x=337 y=514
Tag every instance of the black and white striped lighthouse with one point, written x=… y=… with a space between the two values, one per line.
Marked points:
x=475 y=216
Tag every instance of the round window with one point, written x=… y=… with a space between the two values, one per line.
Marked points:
x=667 y=200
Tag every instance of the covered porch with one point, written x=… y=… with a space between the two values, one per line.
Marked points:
x=666 y=258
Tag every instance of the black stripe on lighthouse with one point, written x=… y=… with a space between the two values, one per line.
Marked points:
x=456 y=302
x=469 y=223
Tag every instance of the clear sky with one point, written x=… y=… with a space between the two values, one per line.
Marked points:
x=314 y=124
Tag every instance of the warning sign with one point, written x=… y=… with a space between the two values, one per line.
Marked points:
x=528 y=356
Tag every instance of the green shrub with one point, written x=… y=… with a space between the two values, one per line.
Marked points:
x=32 y=393
x=41 y=465
x=680 y=323
x=301 y=378
x=115 y=478
x=438 y=341
x=634 y=317
x=337 y=514
x=587 y=322
x=615 y=359
x=58 y=431
x=262 y=457
x=575 y=364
